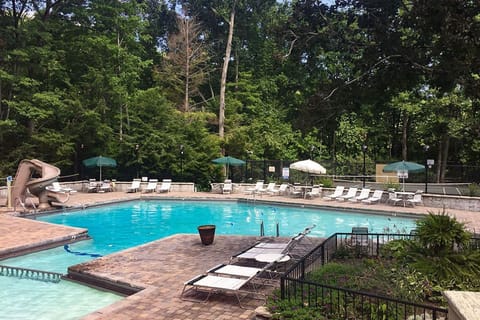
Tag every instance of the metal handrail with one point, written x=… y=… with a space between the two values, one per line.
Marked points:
x=32 y=274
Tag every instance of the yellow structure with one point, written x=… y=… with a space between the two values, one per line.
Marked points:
x=385 y=177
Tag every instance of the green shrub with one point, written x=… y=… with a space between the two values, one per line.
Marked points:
x=326 y=182
x=474 y=190
x=391 y=185
x=417 y=270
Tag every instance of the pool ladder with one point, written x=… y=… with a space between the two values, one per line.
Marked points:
x=262 y=229
x=32 y=274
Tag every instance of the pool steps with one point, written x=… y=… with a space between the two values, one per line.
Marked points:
x=31 y=274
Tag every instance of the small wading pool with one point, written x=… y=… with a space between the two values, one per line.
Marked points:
x=129 y=224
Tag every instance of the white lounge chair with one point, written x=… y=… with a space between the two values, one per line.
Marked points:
x=352 y=192
x=228 y=279
x=227 y=187
x=239 y=271
x=337 y=193
x=234 y=270
x=273 y=248
x=56 y=187
x=256 y=189
x=270 y=187
x=135 y=186
x=280 y=191
x=364 y=194
x=416 y=200
x=166 y=185
x=296 y=191
x=315 y=192
x=393 y=199
x=106 y=186
x=92 y=185
x=151 y=186
x=375 y=198
x=215 y=284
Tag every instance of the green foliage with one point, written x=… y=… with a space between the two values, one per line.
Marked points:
x=416 y=270
x=439 y=255
x=441 y=233
x=326 y=182
x=474 y=190
x=302 y=74
x=391 y=186
x=294 y=310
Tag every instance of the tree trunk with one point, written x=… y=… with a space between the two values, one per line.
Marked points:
x=223 y=81
x=405 y=136
x=445 y=145
x=187 y=66
x=439 y=161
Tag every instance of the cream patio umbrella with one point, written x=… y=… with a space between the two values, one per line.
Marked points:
x=308 y=166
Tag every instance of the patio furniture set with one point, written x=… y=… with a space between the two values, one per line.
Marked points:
x=151 y=187
x=245 y=273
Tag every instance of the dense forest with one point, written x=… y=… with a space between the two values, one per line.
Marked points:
x=167 y=86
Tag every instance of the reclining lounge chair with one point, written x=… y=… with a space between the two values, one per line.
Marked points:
x=151 y=186
x=56 y=187
x=352 y=192
x=227 y=187
x=364 y=194
x=256 y=189
x=375 y=198
x=166 y=185
x=135 y=186
x=280 y=191
x=337 y=193
x=275 y=249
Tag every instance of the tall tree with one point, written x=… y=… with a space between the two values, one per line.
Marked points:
x=185 y=65
x=223 y=79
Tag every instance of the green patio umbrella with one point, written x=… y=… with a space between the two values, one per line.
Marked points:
x=100 y=162
x=229 y=161
x=404 y=166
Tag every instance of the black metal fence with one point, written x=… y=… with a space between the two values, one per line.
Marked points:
x=340 y=303
x=273 y=170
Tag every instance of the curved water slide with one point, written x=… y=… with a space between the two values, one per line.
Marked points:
x=35 y=175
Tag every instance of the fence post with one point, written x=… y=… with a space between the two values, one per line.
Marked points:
x=303 y=268
x=323 y=253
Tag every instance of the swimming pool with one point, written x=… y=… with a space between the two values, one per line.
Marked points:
x=23 y=299
x=128 y=224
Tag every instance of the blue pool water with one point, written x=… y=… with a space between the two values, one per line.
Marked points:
x=128 y=224
x=23 y=299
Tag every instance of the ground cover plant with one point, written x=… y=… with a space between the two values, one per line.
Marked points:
x=442 y=256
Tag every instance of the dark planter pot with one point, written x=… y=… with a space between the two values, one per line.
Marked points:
x=207 y=233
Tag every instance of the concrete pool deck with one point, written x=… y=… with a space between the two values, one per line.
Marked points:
x=161 y=267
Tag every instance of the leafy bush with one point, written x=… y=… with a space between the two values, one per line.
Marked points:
x=292 y=309
x=474 y=190
x=440 y=233
x=326 y=182
x=391 y=185
x=438 y=258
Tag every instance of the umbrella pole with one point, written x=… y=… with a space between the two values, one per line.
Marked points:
x=100 y=173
